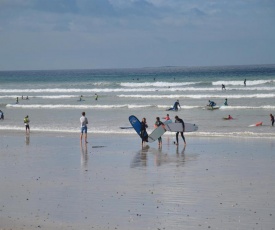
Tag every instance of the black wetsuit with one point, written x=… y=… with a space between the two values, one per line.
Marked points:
x=177 y=134
x=272 y=120
x=143 y=133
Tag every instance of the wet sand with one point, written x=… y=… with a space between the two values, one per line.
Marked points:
x=50 y=181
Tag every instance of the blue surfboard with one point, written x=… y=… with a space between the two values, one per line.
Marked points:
x=136 y=124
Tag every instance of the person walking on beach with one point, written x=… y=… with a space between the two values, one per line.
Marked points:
x=157 y=124
x=272 y=119
x=143 y=133
x=178 y=120
x=26 y=122
x=83 y=123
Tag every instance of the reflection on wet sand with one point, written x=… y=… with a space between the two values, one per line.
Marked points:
x=27 y=139
x=160 y=157
x=84 y=156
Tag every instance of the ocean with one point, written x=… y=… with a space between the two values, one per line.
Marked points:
x=54 y=106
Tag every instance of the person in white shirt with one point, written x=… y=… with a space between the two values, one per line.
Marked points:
x=83 y=123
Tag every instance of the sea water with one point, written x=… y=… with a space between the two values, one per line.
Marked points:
x=54 y=106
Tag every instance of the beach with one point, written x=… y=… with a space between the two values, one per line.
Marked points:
x=50 y=181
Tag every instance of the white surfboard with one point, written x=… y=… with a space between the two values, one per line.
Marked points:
x=158 y=132
x=177 y=127
x=212 y=108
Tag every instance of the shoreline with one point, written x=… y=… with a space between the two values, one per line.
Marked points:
x=53 y=182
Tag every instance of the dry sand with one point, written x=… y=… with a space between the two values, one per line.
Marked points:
x=51 y=182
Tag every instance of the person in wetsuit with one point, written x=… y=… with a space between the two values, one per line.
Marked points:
x=178 y=120
x=143 y=133
x=211 y=103
x=225 y=102
x=176 y=106
x=272 y=119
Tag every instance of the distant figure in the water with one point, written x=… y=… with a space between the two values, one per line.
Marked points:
x=225 y=102
x=96 y=96
x=223 y=87
x=17 y=100
x=244 y=82
x=272 y=119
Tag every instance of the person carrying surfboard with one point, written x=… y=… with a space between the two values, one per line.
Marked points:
x=157 y=124
x=143 y=133
x=178 y=120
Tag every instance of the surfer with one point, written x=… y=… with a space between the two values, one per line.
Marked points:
x=26 y=122
x=17 y=100
x=272 y=119
x=178 y=120
x=211 y=104
x=1 y=115
x=223 y=87
x=83 y=122
x=176 y=106
x=225 y=102
x=96 y=96
x=229 y=117
x=80 y=99
x=157 y=124
x=244 y=82
x=143 y=133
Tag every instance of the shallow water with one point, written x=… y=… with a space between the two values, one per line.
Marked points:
x=53 y=104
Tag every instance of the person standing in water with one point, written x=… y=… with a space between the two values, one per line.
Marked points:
x=178 y=120
x=223 y=87
x=225 y=102
x=26 y=122
x=84 y=128
x=176 y=106
x=96 y=96
x=244 y=82
x=272 y=119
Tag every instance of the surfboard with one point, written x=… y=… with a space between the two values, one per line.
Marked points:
x=81 y=100
x=126 y=127
x=212 y=108
x=226 y=118
x=257 y=124
x=158 y=132
x=135 y=123
x=177 y=127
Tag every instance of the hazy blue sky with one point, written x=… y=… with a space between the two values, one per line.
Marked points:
x=76 y=34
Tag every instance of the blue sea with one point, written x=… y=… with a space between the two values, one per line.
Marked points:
x=54 y=106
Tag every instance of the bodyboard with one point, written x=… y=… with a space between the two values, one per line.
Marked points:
x=177 y=127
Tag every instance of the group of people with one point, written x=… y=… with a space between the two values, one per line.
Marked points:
x=223 y=86
x=158 y=123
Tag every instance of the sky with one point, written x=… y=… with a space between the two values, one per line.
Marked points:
x=95 y=34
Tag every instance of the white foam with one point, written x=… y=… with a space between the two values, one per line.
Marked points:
x=248 y=82
x=156 y=84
